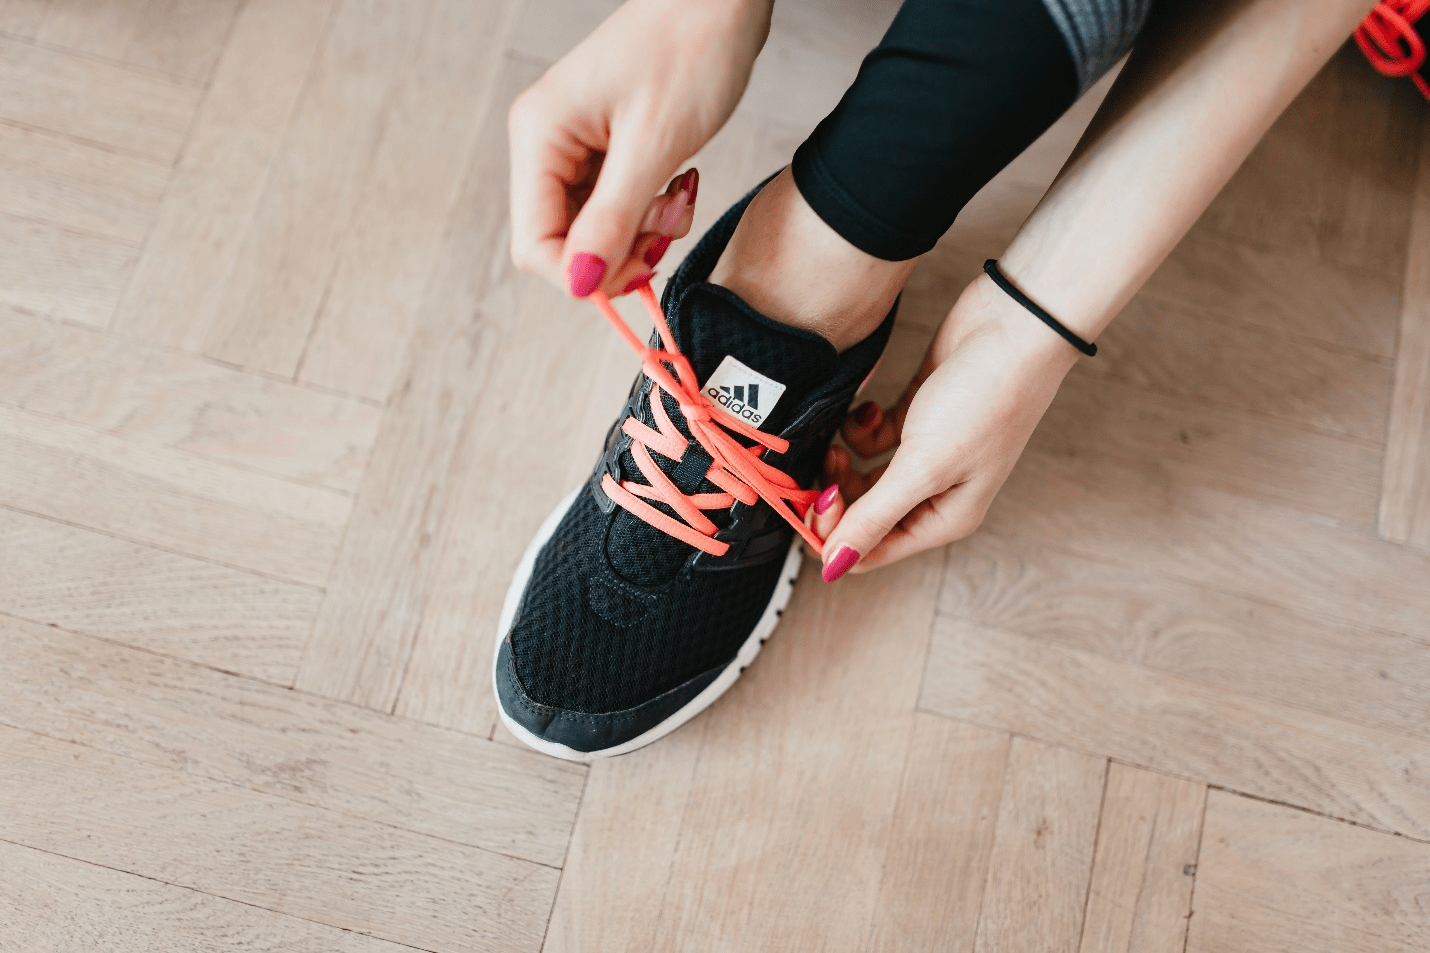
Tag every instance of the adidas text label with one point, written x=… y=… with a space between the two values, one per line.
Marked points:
x=743 y=391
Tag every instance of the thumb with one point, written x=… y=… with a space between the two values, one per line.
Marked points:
x=872 y=517
x=604 y=232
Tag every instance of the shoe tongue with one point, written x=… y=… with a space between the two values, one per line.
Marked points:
x=754 y=368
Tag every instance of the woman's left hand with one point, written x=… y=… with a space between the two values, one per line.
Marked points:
x=990 y=373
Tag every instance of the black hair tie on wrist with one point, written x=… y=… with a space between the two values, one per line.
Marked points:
x=991 y=266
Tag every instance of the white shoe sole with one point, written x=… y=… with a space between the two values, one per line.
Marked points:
x=768 y=620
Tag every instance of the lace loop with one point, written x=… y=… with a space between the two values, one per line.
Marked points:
x=736 y=469
x=1388 y=39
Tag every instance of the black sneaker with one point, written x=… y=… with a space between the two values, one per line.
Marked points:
x=627 y=617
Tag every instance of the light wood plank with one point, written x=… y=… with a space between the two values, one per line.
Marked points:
x=163 y=398
x=1331 y=180
x=268 y=851
x=58 y=905
x=619 y=867
x=21 y=18
x=169 y=498
x=409 y=536
x=1221 y=448
x=62 y=272
x=134 y=112
x=177 y=37
x=1276 y=880
x=1043 y=849
x=1405 y=498
x=937 y=858
x=1177 y=726
x=74 y=185
x=399 y=225
x=791 y=806
x=1141 y=516
x=287 y=256
x=1232 y=642
x=1147 y=843
x=1181 y=352
x=1271 y=289
x=338 y=757
x=179 y=285
x=157 y=601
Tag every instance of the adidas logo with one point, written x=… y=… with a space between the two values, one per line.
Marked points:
x=743 y=391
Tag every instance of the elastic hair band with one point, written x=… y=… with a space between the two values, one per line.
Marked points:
x=991 y=266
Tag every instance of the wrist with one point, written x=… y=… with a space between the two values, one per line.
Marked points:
x=985 y=309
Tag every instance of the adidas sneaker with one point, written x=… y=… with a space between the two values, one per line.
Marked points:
x=651 y=587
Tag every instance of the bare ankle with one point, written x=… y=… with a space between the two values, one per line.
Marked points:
x=793 y=268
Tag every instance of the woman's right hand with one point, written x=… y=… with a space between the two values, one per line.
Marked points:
x=604 y=129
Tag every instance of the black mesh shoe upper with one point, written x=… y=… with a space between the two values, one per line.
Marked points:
x=616 y=612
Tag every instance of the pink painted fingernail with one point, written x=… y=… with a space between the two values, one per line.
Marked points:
x=826 y=499
x=670 y=218
x=692 y=184
x=586 y=272
x=844 y=557
x=637 y=282
x=656 y=251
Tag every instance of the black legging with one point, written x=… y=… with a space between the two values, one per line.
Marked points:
x=952 y=94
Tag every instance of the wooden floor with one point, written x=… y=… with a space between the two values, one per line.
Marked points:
x=267 y=389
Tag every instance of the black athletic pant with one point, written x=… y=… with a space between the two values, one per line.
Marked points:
x=953 y=93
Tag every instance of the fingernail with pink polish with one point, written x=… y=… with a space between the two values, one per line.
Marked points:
x=692 y=184
x=844 y=557
x=670 y=218
x=656 y=251
x=637 y=282
x=826 y=499
x=585 y=273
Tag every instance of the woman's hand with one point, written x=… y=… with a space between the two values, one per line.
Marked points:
x=601 y=132
x=990 y=373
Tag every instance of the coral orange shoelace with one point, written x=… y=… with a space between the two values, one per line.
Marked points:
x=1389 y=40
x=737 y=469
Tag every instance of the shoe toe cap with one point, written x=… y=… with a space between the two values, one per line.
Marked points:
x=588 y=733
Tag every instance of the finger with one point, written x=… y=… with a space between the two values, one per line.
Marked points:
x=947 y=518
x=869 y=431
x=874 y=515
x=600 y=241
x=825 y=513
x=672 y=212
x=544 y=170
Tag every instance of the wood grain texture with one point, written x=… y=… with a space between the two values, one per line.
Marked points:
x=1147 y=843
x=1238 y=643
x=161 y=398
x=180 y=283
x=268 y=851
x=1224 y=449
x=75 y=185
x=778 y=849
x=1405 y=497
x=180 y=38
x=58 y=905
x=317 y=179
x=125 y=110
x=254 y=735
x=1279 y=291
x=1042 y=851
x=937 y=858
x=1177 y=726
x=1331 y=180
x=21 y=18
x=1276 y=880
x=61 y=272
x=1184 y=353
x=399 y=225
x=1143 y=516
x=169 y=498
x=155 y=600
